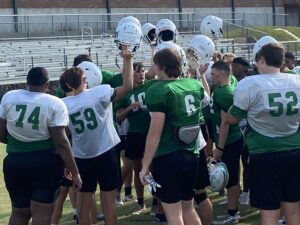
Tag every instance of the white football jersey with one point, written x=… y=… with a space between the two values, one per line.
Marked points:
x=29 y=114
x=91 y=122
x=272 y=102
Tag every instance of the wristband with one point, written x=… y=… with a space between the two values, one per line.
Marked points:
x=220 y=149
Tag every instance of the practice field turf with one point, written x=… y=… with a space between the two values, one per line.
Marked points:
x=249 y=216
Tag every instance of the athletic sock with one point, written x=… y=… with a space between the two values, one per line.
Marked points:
x=232 y=212
x=141 y=201
x=127 y=191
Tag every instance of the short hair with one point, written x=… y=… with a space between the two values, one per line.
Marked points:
x=242 y=61
x=273 y=54
x=220 y=65
x=289 y=55
x=81 y=58
x=71 y=77
x=228 y=54
x=217 y=54
x=37 y=76
x=169 y=61
x=137 y=66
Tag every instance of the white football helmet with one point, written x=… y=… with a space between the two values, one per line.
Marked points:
x=149 y=36
x=92 y=72
x=260 y=43
x=170 y=44
x=128 y=19
x=166 y=31
x=211 y=26
x=129 y=34
x=218 y=175
x=200 y=50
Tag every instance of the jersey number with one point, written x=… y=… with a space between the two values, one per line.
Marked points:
x=141 y=99
x=189 y=101
x=290 y=110
x=90 y=118
x=33 y=117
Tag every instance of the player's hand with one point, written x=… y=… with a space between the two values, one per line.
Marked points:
x=135 y=106
x=125 y=53
x=67 y=173
x=142 y=175
x=217 y=154
x=151 y=182
x=202 y=69
x=77 y=182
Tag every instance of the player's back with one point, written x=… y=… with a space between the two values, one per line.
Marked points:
x=274 y=106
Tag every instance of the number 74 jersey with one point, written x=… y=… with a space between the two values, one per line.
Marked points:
x=272 y=102
x=29 y=114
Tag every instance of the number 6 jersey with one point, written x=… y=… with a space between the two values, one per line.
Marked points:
x=181 y=101
x=271 y=104
x=28 y=115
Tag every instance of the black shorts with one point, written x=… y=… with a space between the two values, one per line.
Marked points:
x=122 y=145
x=102 y=169
x=231 y=157
x=32 y=176
x=65 y=182
x=203 y=177
x=135 y=145
x=176 y=173
x=274 y=178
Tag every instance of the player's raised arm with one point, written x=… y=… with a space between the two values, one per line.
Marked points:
x=127 y=74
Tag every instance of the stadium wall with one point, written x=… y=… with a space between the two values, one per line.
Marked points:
x=254 y=13
x=138 y=3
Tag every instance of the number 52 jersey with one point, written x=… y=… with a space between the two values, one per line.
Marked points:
x=271 y=103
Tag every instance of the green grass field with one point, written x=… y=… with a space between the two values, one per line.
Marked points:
x=249 y=216
x=268 y=30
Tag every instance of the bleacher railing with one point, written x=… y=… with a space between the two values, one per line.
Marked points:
x=87 y=31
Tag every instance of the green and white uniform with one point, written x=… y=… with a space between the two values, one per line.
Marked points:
x=270 y=102
x=222 y=99
x=28 y=115
x=180 y=100
x=115 y=81
x=91 y=122
x=108 y=77
x=139 y=119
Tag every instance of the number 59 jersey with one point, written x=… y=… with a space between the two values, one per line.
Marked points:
x=272 y=103
x=29 y=114
x=91 y=122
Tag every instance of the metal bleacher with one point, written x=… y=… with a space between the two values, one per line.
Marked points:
x=18 y=56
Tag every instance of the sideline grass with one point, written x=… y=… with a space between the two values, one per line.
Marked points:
x=249 y=216
x=270 y=30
